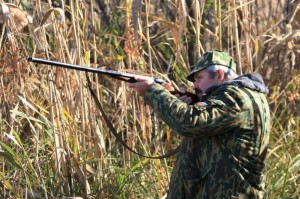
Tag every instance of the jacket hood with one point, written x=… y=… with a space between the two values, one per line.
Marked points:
x=252 y=81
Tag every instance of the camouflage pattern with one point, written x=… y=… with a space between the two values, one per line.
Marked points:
x=225 y=139
x=210 y=58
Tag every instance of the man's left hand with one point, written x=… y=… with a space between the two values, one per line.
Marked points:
x=142 y=84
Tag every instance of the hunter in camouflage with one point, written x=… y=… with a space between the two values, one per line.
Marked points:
x=224 y=136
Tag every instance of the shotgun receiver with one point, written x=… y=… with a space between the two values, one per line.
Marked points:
x=128 y=77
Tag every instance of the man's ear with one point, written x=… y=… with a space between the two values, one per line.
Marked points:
x=221 y=75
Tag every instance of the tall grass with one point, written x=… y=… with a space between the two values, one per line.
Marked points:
x=54 y=142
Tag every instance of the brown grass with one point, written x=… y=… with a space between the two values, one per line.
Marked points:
x=55 y=144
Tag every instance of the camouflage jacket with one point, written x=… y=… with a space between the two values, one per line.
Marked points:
x=225 y=139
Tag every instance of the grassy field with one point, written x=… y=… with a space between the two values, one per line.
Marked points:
x=54 y=142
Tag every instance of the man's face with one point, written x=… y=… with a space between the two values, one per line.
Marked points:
x=203 y=81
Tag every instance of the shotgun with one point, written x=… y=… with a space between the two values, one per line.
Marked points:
x=128 y=77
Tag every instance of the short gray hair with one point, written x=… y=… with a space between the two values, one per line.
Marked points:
x=229 y=73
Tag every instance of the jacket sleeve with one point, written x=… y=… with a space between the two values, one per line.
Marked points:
x=219 y=113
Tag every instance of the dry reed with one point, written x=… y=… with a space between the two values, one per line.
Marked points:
x=54 y=142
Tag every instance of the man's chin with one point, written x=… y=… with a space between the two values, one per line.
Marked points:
x=199 y=95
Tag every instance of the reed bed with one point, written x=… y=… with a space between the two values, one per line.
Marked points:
x=54 y=142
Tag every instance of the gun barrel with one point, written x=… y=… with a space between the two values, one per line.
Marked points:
x=119 y=75
x=81 y=68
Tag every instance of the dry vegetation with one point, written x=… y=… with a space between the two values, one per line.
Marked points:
x=53 y=140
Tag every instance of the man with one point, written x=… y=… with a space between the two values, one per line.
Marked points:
x=225 y=134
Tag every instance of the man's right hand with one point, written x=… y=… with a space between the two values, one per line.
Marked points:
x=182 y=94
x=185 y=98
